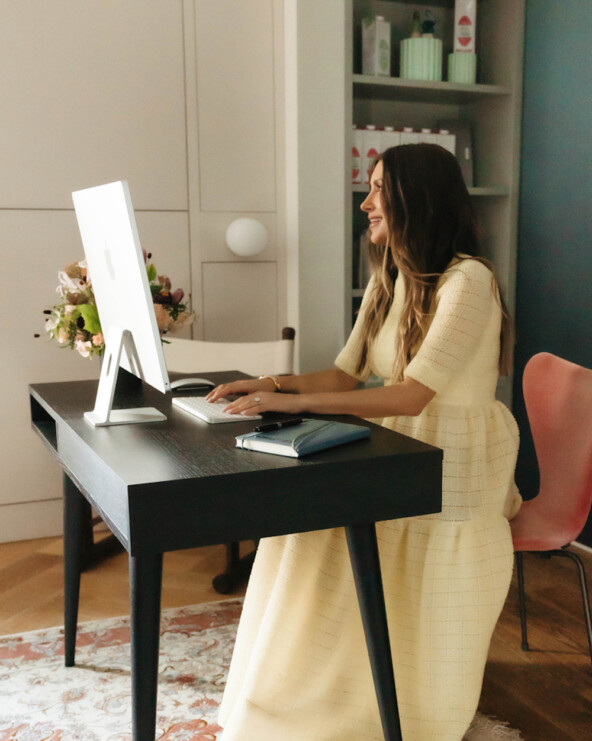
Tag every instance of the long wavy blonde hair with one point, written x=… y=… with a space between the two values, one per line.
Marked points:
x=430 y=223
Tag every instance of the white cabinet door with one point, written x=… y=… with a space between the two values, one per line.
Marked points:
x=240 y=301
x=92 y=92
x=235 y=101
x=234 y=67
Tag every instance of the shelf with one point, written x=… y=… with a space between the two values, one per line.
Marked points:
x=492 y=190
x=422 y=91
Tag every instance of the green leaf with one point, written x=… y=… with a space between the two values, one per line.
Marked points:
x=151 y=271
x=90 y=315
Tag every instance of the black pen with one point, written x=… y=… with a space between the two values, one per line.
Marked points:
x=278 y=425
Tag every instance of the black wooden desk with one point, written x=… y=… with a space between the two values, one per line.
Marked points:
x=182 y=483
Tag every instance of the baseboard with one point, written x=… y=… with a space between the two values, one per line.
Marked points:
x=30 y=520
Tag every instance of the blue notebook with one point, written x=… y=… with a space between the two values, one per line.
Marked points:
x=309 y=437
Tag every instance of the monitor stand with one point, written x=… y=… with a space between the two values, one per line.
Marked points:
x=103 y=415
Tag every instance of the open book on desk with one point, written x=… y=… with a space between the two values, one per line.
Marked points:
x=308 y=437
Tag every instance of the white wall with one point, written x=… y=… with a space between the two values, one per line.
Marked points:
x=146 y=91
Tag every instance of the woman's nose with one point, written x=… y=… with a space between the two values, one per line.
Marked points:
x=365 y=205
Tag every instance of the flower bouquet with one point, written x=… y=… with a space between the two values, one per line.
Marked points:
x=74 y=320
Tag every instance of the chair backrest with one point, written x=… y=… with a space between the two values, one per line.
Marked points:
x=558 y=397
x=275 y=357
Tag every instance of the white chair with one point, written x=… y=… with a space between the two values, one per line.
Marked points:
x=274 y=358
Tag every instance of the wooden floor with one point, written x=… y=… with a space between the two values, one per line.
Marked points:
x=547 y=693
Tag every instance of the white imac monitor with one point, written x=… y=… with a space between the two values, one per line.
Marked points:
x=118 y=273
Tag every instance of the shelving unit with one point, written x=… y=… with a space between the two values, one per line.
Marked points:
x=327 y=93
x=492 y=107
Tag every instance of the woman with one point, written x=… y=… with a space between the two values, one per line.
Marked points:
x=432 y=324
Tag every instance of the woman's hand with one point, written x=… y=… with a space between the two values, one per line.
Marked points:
x=256 y=396
x=240 y=387
x=267 y=401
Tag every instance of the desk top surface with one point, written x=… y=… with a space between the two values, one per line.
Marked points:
x=185 y=468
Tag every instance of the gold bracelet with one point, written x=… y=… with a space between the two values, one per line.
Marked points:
x=275 y=382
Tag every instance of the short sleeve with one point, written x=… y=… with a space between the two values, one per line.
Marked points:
x=347 y=359
x=464 y=305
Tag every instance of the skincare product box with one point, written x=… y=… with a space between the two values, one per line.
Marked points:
x=372 y=143
x=357 y=147
x=376 y=46
x=447 y=140
x=409 y=136
x=462 y=63
x=465 y=16
x=427 y=136
x=389 y=138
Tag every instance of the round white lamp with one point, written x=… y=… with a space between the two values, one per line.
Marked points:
x=246 y=237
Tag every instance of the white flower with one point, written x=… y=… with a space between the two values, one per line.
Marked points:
x=62 y=336
x=51 y=323
x=67 y=284
x=84 y=348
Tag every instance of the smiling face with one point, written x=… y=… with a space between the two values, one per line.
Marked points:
x=373 y=205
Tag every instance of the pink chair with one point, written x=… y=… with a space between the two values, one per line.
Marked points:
x=558 y=397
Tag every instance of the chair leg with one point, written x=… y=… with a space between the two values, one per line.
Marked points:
x=522 y=599
x=237 y=570
x=583 y=589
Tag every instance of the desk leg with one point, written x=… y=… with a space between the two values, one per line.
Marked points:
x=145 y=587
x=76 y=515
x=363 y=551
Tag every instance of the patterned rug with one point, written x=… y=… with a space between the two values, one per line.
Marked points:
x=41 y=700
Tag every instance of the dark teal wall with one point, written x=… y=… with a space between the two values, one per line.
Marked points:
x=554 y=282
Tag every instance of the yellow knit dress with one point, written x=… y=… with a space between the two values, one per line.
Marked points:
x=300 y=670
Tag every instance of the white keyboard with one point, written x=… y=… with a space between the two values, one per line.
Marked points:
x=211 y=412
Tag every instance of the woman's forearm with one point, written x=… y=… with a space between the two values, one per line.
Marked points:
x=407 y=398
x=332 y=379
